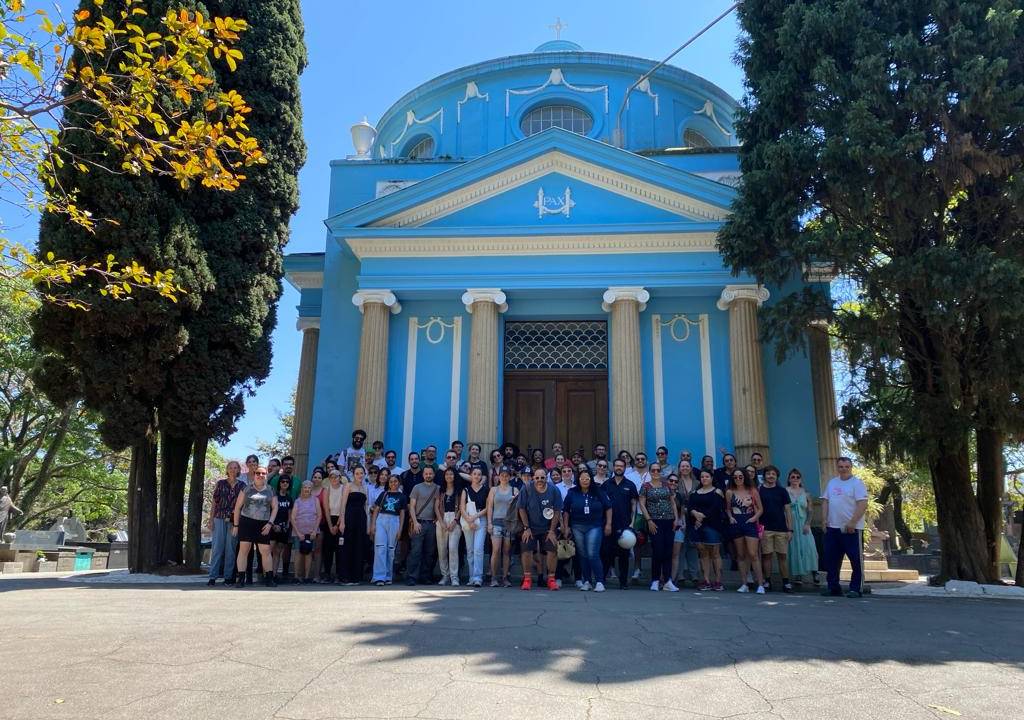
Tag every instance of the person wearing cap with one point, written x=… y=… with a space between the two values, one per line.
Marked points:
x=540 y=511
x=498 y=502
x=305 y=520
x=623 y=498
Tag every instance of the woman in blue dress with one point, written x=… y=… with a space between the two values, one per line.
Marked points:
x=803 y=554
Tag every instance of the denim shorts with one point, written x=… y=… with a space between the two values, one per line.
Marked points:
x=499 y=531
x=708 y=536
x=742 y=528
x=680 y=536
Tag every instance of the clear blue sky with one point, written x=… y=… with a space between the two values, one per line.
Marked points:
x=365 y=55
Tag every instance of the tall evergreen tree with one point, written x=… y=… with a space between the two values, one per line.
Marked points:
x=887 y=139
x=243 y=235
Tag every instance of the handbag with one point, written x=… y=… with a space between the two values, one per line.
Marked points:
x=565 y=548
x=470 y=510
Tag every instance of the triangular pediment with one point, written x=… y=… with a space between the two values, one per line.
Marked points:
x=552 y=177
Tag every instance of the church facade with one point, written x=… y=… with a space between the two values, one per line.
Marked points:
x=510 y=258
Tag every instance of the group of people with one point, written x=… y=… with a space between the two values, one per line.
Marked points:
x=362 y=515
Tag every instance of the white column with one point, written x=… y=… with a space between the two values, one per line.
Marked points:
x=372 y=377
x=484 y=304
x=303 y=420
x=627 y=398
x=749 y=408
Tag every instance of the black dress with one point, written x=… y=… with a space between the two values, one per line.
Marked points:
x=353 y=552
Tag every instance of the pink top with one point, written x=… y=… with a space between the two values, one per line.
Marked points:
x=305 y=516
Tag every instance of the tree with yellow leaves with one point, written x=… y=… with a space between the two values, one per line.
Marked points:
x=136 y=80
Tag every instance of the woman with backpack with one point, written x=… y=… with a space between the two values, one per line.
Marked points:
x=499 y=499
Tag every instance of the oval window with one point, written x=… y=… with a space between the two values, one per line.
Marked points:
x=422 y=150
x=567 y=117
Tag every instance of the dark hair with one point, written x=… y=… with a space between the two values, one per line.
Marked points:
x=772 y=467
x=316 y=470
x=254 y=458
x=661 y=448
x=842 y=458
x=458 y=442
x=286 y=458
x=702 y=473
x=747 y=483
x=455 y=477
x=392 y=452
x=359 y=432
x=413 y=452
x=582 y=473
x=600 y=444
x=475 y=445
x=375 y=443
x=727 y=455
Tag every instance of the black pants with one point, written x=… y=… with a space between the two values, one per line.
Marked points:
x=422 y=553
x=248 y=563
x=329 y=553
x=612 y=553
x=661 y=550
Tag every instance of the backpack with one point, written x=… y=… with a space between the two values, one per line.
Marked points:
x=513 y=523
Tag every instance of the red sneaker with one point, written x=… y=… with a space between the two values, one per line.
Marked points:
x=527 y=583
x=552 y=584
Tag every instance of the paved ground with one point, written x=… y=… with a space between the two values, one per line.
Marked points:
x=73 y=650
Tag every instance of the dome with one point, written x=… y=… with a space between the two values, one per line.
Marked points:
x=558 y=46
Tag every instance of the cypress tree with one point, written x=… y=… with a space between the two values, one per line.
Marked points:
x=886 y=139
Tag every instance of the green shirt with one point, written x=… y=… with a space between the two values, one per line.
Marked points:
x=293 y=491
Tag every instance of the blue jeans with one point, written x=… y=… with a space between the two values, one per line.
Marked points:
x=224 y=548
x=475 y=550
x=837 y=544
x=588 y=550
x=384 y=541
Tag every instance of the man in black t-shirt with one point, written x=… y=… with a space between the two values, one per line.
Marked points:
x=623 y=498
x=777 y=519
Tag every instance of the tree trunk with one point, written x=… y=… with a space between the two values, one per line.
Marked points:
x=174 y=457
x=54 y=445
x=142 y=524
x=991 y=484
x=893 y=491
x=196 y=494
x=961 y=528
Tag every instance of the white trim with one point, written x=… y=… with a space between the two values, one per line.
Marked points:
x=549 y=162
x=410 y=120
x=453 y=416
x=410 y=388
x=475 y=295
x=613 y=294
x=732 y=293
x=659 y=382
x=707 y=386
x=306 y=279
x=518 y=245
x=307 y=323
x=555 y=77
x=645 y=88
x=472 y=91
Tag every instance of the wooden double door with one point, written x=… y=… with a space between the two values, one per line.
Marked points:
x=544 y=408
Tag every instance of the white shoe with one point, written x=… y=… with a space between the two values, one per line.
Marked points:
x=585 y=587
x=760 y=590
x=455 y=582
x=655 y=586
x=599 y=587
x=636 y=574
x=670 y=586
x=443 y=581
x=743 y=588
x=579 y=584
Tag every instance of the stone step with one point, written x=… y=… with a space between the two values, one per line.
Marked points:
x=10 y=568
x=877 y=565
x=882 y=575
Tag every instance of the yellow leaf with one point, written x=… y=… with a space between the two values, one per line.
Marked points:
x=82 y=15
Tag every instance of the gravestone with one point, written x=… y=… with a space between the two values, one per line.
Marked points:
x=74 y=531
x=38 y=539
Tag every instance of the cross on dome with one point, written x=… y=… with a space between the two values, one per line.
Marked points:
x=558 y=27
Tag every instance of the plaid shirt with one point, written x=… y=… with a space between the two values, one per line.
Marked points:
x=224 y=498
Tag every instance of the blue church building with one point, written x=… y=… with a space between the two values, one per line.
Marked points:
x=511 y=258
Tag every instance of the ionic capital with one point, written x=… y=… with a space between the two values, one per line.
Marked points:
x=613 y=294
x=307 y=323
x=384 y=297
x=757 y=293
x=475 y=295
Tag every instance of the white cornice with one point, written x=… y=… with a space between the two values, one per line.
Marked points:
x=307 y=323
x=603 y=244
x=613 y=294
x=475 y=295
x=549 y=162
x=384 y=297
x=306 y=279
x=732 y=293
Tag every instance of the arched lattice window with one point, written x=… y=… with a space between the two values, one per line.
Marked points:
x=422 y=150
x=567 y=117
x=694 y=139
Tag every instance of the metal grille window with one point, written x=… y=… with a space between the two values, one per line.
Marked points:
x=694 y=139
x=566 y=117
x=423 y=150
x=566 y=345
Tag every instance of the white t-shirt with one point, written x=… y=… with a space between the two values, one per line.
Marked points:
x=842 y=496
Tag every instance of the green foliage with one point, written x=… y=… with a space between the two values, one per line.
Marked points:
x=51 y=456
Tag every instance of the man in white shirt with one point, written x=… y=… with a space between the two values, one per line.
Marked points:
x=640 y=473
x=355 y=450
x=390 y=461
x=844 y=502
